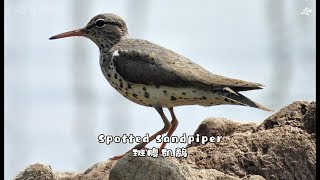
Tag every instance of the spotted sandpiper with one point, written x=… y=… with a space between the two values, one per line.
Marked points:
x=153 y=76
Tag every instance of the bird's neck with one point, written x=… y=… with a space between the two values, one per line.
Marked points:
x=107 y=43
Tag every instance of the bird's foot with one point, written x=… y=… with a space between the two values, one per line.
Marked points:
x=119 y=157
x=123 y=155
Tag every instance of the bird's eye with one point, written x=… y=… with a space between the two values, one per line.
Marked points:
x=100 y=23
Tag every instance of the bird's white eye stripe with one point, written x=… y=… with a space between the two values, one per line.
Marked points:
x=100 y=23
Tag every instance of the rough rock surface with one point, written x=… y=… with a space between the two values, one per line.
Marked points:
x=166 y=169
x=37 y=172
x=281 y=147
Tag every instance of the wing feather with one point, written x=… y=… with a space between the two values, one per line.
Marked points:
x=142 y=62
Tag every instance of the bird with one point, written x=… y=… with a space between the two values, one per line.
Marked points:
x=154 y=76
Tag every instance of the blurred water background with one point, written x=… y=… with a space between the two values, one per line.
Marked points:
x=57 y=101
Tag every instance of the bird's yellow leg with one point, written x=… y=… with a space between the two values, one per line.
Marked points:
x=174 y=124
x=166 y=128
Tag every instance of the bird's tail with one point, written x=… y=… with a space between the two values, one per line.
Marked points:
x=237 y=98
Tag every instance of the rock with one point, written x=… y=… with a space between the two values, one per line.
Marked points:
x=136 y=168
x=299 y=114
x=281 y=147
x=222 y=127
x=309 y=119
x=36 y=172
x=99 y=171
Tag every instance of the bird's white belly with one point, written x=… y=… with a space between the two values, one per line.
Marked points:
x=163 y=96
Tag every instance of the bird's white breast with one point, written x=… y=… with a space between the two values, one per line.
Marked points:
x=152 y=95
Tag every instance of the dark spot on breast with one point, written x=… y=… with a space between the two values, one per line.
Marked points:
x=157 y=86
x=144 y=88
x=172 y=98
x=204 y=97
x=127 y=93
x=217 y=98
x=129 y=86
x=194 y=91
x=180 y=97
x=115 y=76
x=140 y=100
x=126 y=89
x=121 y=85
x=165 y=92
x=211 y=103
x=135 y=95
x=146 y=95
x=149 y=105
x=225 y=99
x=108 y=75
x=183 y=93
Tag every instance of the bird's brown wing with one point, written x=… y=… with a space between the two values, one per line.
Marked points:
x=142 y=62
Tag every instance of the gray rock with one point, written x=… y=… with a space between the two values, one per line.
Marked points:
x=36 y=172
x=137 y=168
x=281 y=147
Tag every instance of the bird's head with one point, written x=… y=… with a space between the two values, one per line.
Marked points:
x=104 y=30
